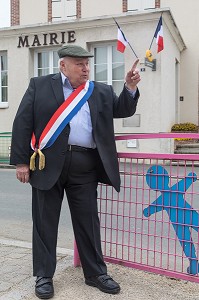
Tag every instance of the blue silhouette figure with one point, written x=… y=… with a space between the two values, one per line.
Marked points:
x=181 y=214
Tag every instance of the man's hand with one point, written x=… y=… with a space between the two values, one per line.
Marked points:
x=133 y=77
x=23 y=173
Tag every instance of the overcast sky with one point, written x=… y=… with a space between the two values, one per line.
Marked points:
x=4 y=13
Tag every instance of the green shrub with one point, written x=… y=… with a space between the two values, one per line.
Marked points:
x=184 y=127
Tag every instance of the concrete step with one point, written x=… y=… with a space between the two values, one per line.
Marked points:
x=187 y=151
x=195 y=145
x=187 y=148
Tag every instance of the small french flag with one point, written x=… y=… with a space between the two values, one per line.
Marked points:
x=159 y=36
x=121 y=41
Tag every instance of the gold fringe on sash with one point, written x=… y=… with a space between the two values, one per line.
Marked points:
x=41 y=160
x=32 y=161
x=88 y=89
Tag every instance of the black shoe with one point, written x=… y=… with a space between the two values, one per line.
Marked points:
x=44 y=288
x=104 y=283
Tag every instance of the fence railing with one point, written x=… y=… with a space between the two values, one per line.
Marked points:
x=153 y=223
x=5 y=142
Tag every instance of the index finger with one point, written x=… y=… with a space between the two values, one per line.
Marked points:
x=135 y=65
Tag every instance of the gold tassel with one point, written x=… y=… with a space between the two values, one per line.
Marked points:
x=41 y=160
x=32 y=162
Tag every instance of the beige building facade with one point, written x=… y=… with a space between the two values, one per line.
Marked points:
x=29 y=48
x=186 y=16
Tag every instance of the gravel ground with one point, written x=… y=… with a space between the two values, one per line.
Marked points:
x=135 y=285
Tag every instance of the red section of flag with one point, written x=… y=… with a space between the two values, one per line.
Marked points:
x=159 y=36
x=120 y=46
x=160 y=44
x=121 y=41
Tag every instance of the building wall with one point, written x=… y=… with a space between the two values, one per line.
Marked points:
x=156 y=105
x=170 y=77
x=183 y=15
x=187 y=19
x=62 y=10
x=33 y=12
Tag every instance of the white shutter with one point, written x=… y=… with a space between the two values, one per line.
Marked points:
x=134 y=5
x=56 y=10
x=64 y=9
x=140 y=4
x=146 y=4
x=70 y=10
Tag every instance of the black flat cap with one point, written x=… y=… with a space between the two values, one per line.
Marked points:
x=73 y=51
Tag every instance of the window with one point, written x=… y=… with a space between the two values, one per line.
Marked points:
x=3 y=80
x=140 y=4
x=64 y=9
x=5 y=14
x=46 y=62
x=108 y=66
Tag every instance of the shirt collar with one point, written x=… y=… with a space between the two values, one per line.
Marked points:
x=66 y=82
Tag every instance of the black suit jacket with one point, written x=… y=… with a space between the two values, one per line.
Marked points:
x=42 y=98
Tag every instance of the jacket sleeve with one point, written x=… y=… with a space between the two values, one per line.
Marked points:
x=23 y=128
x=125 y=105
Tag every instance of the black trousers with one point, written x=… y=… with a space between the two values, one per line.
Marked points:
x=79 y=180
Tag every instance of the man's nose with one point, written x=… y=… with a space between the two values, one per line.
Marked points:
x=85 y=68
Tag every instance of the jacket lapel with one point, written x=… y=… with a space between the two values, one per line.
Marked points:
x=57 y=88
x=58 y=92
x=92 y=101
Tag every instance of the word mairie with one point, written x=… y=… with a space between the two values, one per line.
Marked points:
x=44 y=39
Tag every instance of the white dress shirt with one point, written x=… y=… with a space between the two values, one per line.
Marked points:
x=80 y=125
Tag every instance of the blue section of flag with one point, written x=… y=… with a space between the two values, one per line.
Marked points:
x=158 y=27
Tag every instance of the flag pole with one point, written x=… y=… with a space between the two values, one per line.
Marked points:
x=132 y=49
x=151 y=43
x=125 y=38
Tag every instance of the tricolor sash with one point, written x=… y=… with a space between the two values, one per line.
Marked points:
x=58 y=122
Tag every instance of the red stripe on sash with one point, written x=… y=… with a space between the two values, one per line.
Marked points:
x=59 y=111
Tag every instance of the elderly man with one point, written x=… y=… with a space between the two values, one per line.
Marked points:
x=68 y=121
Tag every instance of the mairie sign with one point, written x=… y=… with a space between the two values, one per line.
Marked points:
x=51 y=38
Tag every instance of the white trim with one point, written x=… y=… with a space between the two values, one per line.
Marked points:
x=109 y=62
x=50 y=52
x=134 y=5
x=4 y=105
x=64 y=10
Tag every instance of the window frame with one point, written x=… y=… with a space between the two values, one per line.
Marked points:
x=3 y=104
x=65 y=9
x=141 y=5
x=50 y=60
x=110 y=80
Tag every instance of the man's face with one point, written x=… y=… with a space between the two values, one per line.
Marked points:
x=76 y=69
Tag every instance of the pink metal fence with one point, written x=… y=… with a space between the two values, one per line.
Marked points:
x=153 y=223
